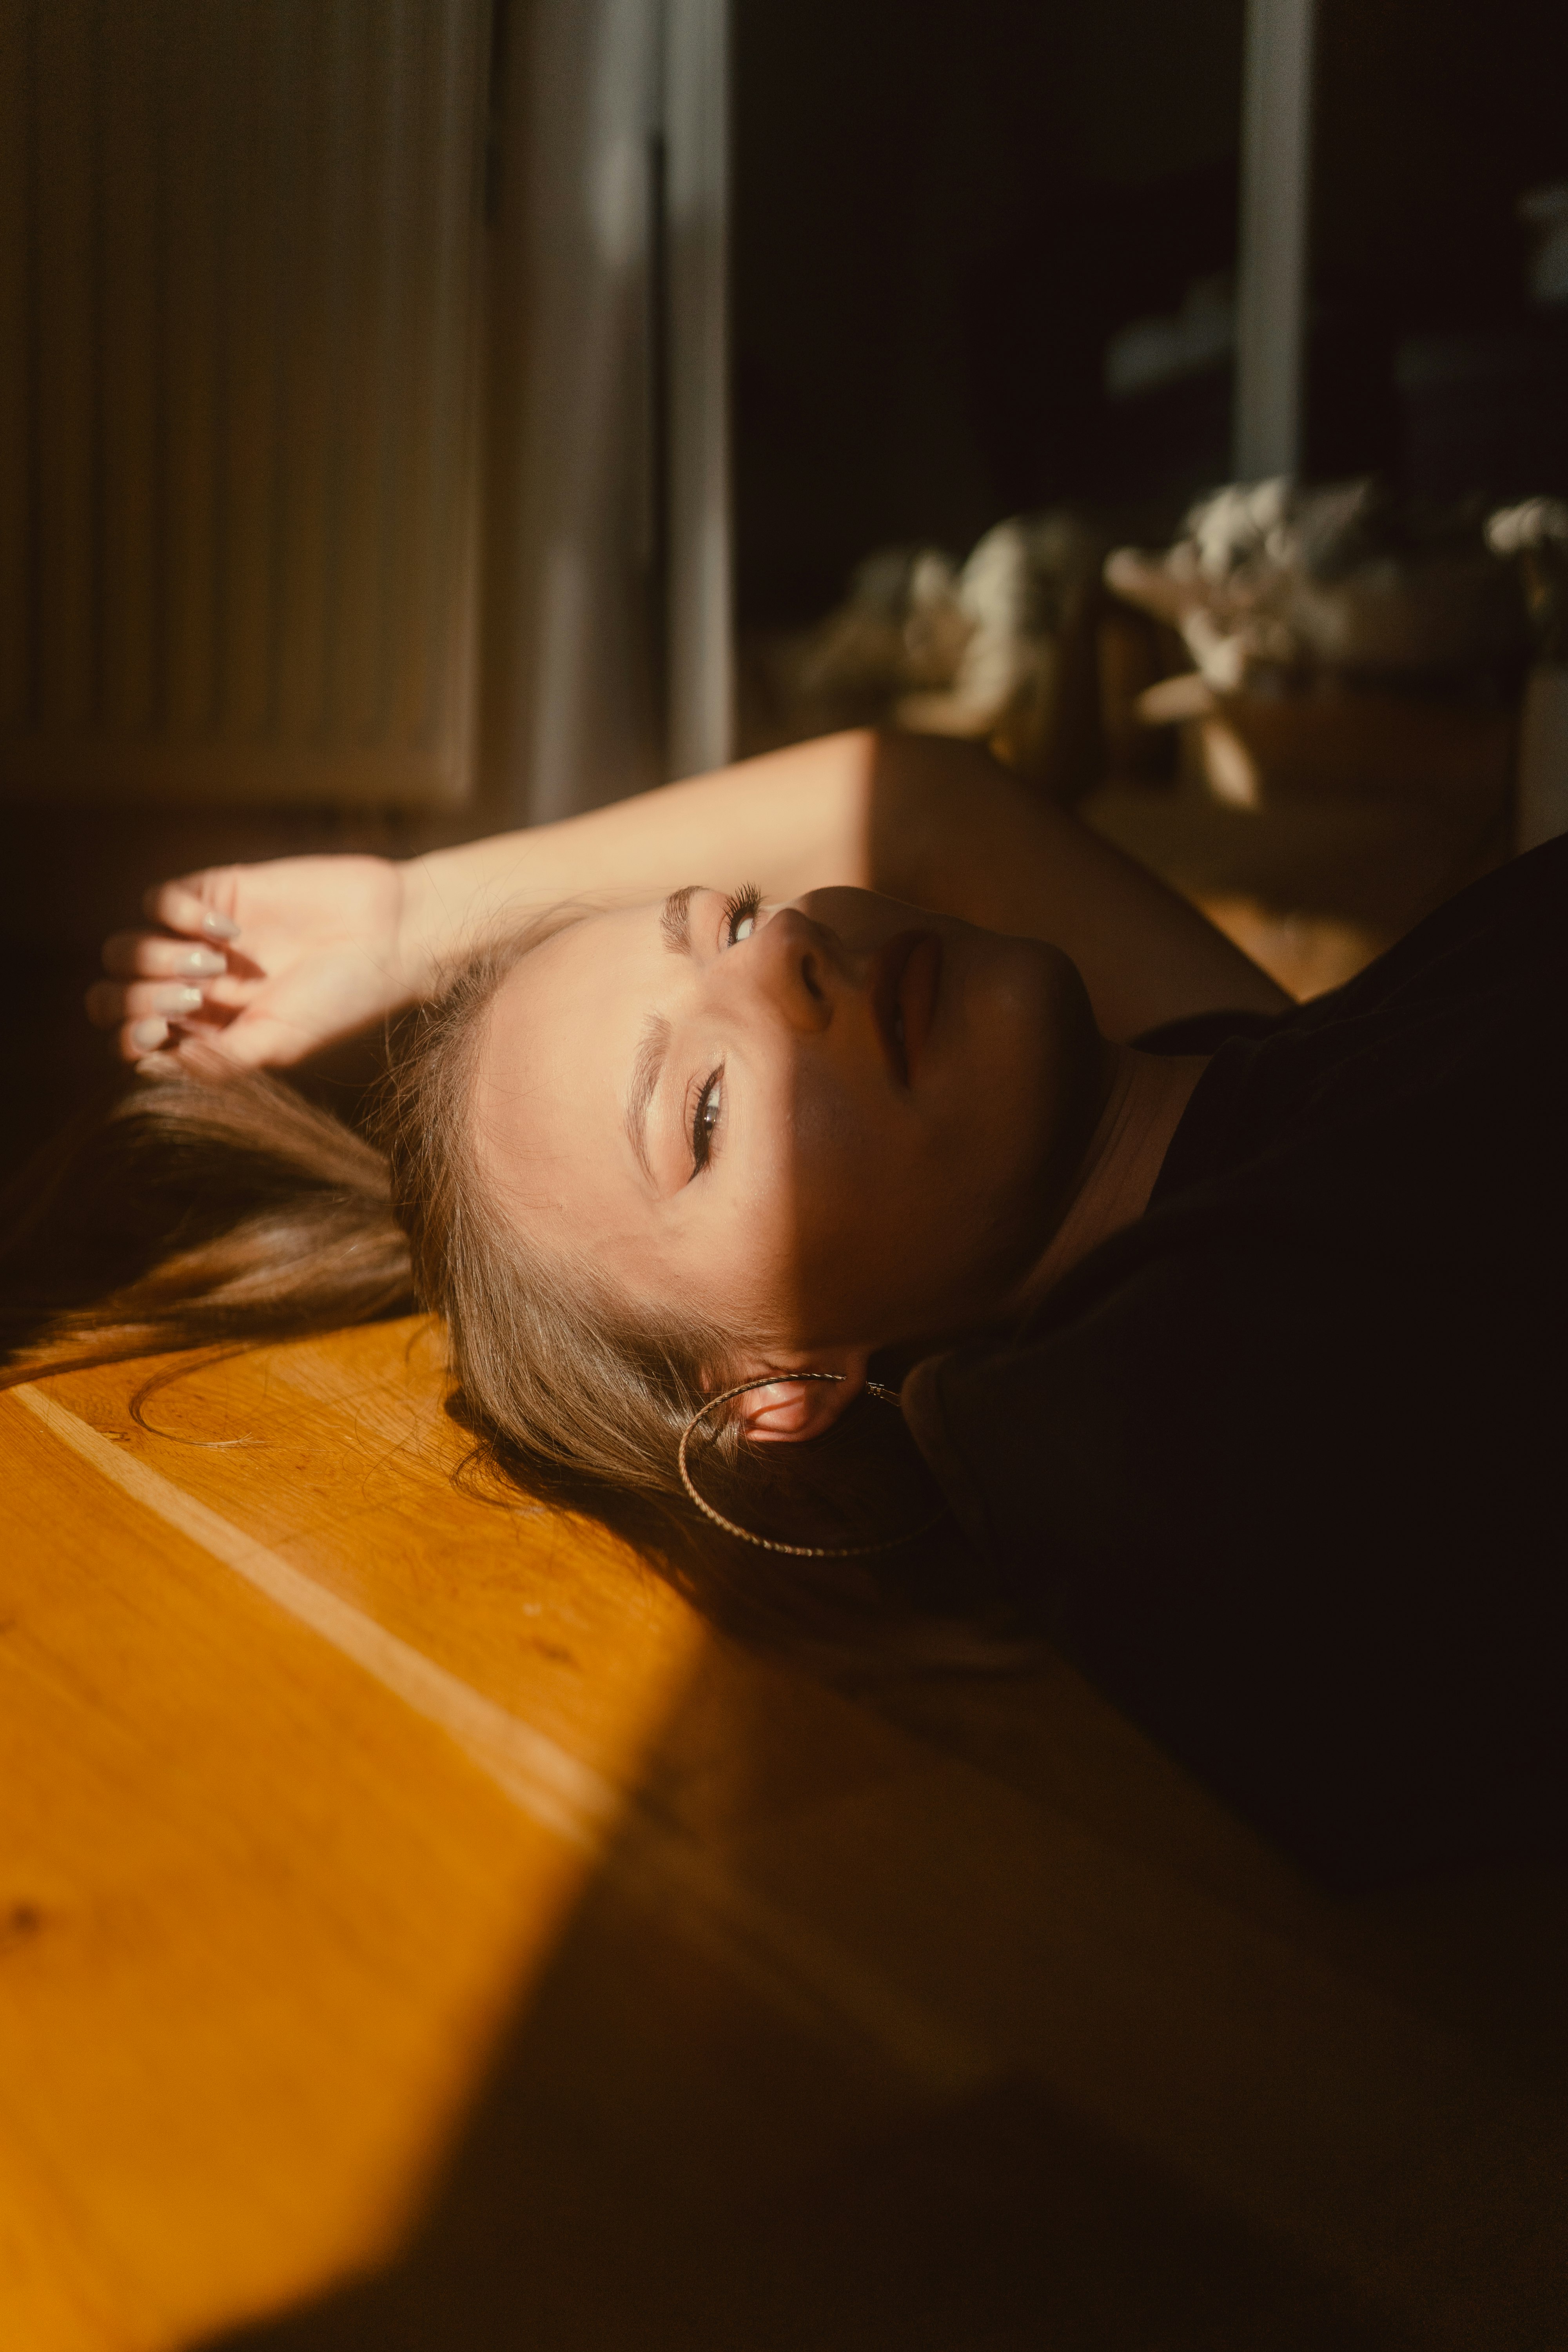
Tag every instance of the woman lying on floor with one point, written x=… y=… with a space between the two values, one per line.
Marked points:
x=1230 y=1332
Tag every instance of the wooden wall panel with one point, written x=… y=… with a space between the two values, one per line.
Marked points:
x=240 y=353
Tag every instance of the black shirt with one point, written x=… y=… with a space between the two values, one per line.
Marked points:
x=1284 y=1465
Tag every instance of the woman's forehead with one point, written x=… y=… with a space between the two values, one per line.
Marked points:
x=552 y=1078
x=562 y=1031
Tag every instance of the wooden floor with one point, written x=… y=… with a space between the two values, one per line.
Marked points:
x=417 y=1931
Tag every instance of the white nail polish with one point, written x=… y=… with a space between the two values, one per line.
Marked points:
x=147 y=1034
x=179 y=1000
x=220 y=926
x=205 y=960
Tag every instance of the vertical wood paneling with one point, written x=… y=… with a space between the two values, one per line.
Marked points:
x=252 y=98
x=239 y=353
x=65 y=385
x=401 y=66
x=188 y=388
x=15 y=337
x=126 y=237
x=361 y=433
x=305 y=353
x=441 y=287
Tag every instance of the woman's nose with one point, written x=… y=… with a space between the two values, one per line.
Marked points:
x=797 y=965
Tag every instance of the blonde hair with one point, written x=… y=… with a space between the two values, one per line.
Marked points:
x=209 y=1209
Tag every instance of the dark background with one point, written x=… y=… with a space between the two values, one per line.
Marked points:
x=943 y=213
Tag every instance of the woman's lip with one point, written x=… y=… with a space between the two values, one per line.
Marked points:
x=905 y=972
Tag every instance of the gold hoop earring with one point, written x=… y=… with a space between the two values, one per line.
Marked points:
x=768 y=1543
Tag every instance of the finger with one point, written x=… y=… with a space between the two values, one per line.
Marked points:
x=229 y=996
x=143 y=955
x=108 y=1005
x=164 y=1041
x=140 y=1038
x=159 y=1042
x=181 y=907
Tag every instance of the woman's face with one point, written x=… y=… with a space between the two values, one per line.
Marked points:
x=833 y=1125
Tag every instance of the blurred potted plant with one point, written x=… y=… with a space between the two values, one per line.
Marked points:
x=1345 y=642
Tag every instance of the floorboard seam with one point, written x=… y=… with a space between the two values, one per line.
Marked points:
x=784 y=1959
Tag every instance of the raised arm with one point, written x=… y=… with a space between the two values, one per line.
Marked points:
x=939 y=823
x=949 y=828
x=311 y=950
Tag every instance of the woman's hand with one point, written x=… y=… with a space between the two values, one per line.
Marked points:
x=267 y=963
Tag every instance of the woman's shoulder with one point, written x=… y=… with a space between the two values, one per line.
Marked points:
x=1512 y=918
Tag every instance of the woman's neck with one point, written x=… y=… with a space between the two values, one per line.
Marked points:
x=1148 y=1094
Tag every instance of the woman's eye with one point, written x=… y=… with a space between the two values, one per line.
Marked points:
x=705 y=1120
x=741 y=912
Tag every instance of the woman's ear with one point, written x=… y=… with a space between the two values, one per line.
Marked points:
x=788 y=1409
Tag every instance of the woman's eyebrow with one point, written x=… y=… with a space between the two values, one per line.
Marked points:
x=645 y=1068
x=676 y=921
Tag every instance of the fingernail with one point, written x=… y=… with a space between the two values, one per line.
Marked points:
x=206 y=960
x=147 y=1034
x=220 y=926
x=178 y=999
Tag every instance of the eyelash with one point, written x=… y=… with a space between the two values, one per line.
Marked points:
x=742 y=905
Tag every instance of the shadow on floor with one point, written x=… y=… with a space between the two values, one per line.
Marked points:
x=656 y=2164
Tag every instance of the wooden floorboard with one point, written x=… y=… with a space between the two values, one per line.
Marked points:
x=415 y=1928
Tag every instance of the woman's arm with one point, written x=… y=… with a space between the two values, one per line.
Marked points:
x=948 y=827
x=325 y=946
x=939 y=823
